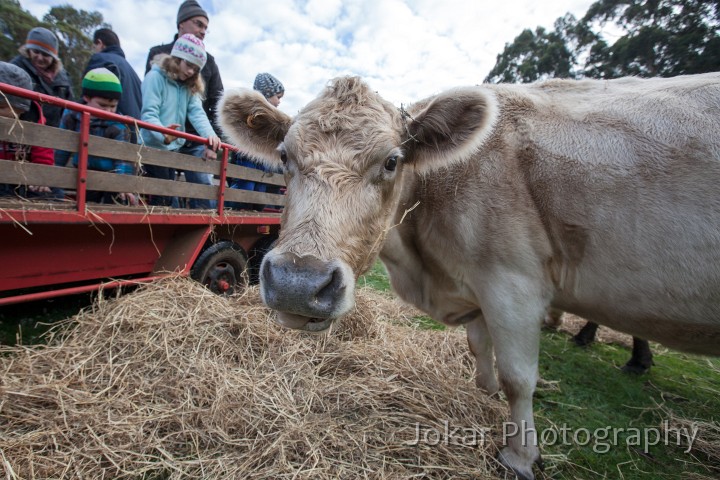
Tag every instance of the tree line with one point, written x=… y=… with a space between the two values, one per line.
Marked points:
x=653 y=38
x=74 y=29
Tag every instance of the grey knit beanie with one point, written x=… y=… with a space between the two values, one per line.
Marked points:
x=268 y=85
x=44 y=40
x=190 y=9
x=17 y=77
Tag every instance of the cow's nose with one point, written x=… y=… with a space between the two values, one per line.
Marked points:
x=303 y=285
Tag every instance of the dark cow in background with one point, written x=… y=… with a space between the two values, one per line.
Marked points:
x=640 y=361
x=491 y=204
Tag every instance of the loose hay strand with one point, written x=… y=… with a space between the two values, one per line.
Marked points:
x=174 y=382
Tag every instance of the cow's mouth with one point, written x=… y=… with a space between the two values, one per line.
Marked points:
x=300 y=322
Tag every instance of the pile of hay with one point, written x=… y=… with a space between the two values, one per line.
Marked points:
x=174 y=382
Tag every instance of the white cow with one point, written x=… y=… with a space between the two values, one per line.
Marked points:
x=491 y=204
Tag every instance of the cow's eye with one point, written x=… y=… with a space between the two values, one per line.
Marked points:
x=283 y=157
x=391 y=163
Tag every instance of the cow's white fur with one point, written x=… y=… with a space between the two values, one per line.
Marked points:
x=600 y=198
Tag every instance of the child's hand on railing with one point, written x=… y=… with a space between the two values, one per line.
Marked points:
x=127 y=199
x=209 y=154
x=214 y=142
x=170 y=138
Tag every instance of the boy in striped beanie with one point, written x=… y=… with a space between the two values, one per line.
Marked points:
x=101 y=89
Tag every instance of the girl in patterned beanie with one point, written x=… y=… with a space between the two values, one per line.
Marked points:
x=172 y=93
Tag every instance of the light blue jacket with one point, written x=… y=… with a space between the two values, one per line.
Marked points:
x=164 y=102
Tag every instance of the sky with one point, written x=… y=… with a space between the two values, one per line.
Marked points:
x=406 y=50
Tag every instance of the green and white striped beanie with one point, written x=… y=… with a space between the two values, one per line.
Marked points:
x=101 y=82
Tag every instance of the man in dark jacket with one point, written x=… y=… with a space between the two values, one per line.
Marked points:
x=191 y=18
x=109 y=55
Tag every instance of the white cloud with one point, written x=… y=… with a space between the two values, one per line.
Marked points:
x=323 y=12
x=405 y=49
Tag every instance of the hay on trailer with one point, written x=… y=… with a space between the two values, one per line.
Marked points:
x=174 y=382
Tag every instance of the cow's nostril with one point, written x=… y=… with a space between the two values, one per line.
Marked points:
x=328 y=293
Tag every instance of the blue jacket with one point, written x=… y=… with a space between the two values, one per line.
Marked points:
x=100 y=128
x=113 y=58
x=166 y=102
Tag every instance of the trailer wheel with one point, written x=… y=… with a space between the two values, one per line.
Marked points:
x=257 y=253
x=221 y=268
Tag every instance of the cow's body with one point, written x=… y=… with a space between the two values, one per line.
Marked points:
x=600 y=198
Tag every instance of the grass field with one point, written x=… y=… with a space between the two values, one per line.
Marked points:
x=24 y=323
x=601 y=423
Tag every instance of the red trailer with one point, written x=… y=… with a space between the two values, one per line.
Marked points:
x=54 y=248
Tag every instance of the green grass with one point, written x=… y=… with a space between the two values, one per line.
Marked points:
x=25 y=323
x=377 y=278
x=585 y=396
x=592 y=395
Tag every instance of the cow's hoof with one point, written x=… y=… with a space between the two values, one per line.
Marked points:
x=635 y=368
x=513 y=462
x=586 y=335
x=583 y=340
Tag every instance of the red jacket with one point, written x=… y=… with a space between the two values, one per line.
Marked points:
x=32 y=154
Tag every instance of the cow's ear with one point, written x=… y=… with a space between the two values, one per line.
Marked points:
x=253 y=124
x=449 y=127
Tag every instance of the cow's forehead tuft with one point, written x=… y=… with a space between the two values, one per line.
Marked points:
x=347 y=117
x=348 y=103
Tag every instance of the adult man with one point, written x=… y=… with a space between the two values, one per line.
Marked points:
x=191 y=18
x=108 y=54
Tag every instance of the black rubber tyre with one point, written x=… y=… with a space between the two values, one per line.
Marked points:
x=221 y=268
x=257 y=253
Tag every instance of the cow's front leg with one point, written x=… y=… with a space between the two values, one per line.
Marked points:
x=517 y=360
x=481 y=347
x=514 y=325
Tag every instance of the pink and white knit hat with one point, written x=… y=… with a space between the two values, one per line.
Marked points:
x=191 y=49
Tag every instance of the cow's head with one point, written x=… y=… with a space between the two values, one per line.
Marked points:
x=344 y=157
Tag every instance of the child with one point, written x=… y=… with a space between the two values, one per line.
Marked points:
x=19 y=107
x=270 y=87
x=273 y=90
x=101 y=89
x=172 y=93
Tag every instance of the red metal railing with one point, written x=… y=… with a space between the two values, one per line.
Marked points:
x=88 y=111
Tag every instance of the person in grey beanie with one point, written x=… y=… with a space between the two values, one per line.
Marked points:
x=17 y=77
x=193 y=19
x=271 y=88
x=13 y=106
x=39 y=58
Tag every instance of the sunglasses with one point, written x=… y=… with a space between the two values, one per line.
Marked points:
x=40 y=52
